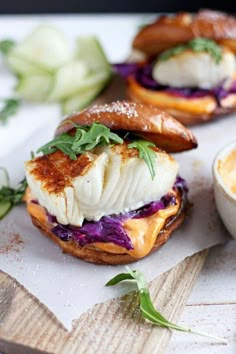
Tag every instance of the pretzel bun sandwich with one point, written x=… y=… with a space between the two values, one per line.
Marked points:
x=185 y=65
x=105 y=188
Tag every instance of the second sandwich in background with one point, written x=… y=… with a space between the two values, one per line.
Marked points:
x=185 y=65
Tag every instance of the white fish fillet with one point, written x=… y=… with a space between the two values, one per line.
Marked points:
x=191 y=69
x=113 y=180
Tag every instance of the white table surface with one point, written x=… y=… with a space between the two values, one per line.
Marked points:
x=212 y=304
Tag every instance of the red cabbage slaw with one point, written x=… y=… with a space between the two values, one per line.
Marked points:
x=110 y=228
x=143 y=75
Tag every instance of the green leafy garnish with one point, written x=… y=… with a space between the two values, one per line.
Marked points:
x=146 y=306
x=62 y=142
x=9 y=108
x=146 y=152
x=172 y=52
x=96 y=135
x=197 y=45
x=10 y=196
x=6 y=46
x=13 y=195
x=85 y=139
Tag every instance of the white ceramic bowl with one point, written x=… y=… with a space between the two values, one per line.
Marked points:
x=225 y=199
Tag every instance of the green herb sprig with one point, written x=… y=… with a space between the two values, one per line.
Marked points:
x=9 y=196
x=62 y=142
x=96 y=135
x=197 y=45
x=146 y=153
x=9 y=108
x=146 y=306
x=85 y=139
x=6 y=46
x=13 y=195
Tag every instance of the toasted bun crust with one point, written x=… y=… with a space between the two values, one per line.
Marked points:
x=145 y=121
x=188 y=111
x=95 y=255
x=167 y=31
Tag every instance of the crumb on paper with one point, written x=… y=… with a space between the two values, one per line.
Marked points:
x=202 y=183
x=12 y=242
x=197 y=165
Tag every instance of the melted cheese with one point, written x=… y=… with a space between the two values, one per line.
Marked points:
x=161 y=99
x=142 y=232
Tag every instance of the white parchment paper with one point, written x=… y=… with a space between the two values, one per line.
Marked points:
x=66 y=285
x=69 y=286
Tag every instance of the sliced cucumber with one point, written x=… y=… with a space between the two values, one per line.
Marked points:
x=82 y=99
x=71 y=81
x=5 y=207
x=91 y=52
x=23 y=66
x=99 y=78
x=46 y=71
x=46 y=48
x=78 y=102
x=4 y=178
x=34 y=88
x=68 y=79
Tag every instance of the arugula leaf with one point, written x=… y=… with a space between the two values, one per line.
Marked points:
x=62 y=142
x=146 y=153
x=97 y=135
x=207 y=45
x=172 y=52
x=147 y=308
x=6 y=45
x=118 y=278
x=10 y=107
x=11 y=196
x=85 y=139
x=197 y=45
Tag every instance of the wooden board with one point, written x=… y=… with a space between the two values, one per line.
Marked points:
x=27 y=326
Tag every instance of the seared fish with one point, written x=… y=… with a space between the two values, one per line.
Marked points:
x=191 y=69
x=109 y=180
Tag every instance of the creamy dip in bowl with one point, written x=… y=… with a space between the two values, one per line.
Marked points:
x=224 y=176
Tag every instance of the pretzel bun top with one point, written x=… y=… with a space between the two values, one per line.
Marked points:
x=168 y=31
x=147 y=122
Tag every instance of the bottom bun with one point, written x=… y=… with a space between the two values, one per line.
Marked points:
x=188 y=111
x=92 y=254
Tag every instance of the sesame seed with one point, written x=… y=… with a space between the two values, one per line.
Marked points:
x=119 y=107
